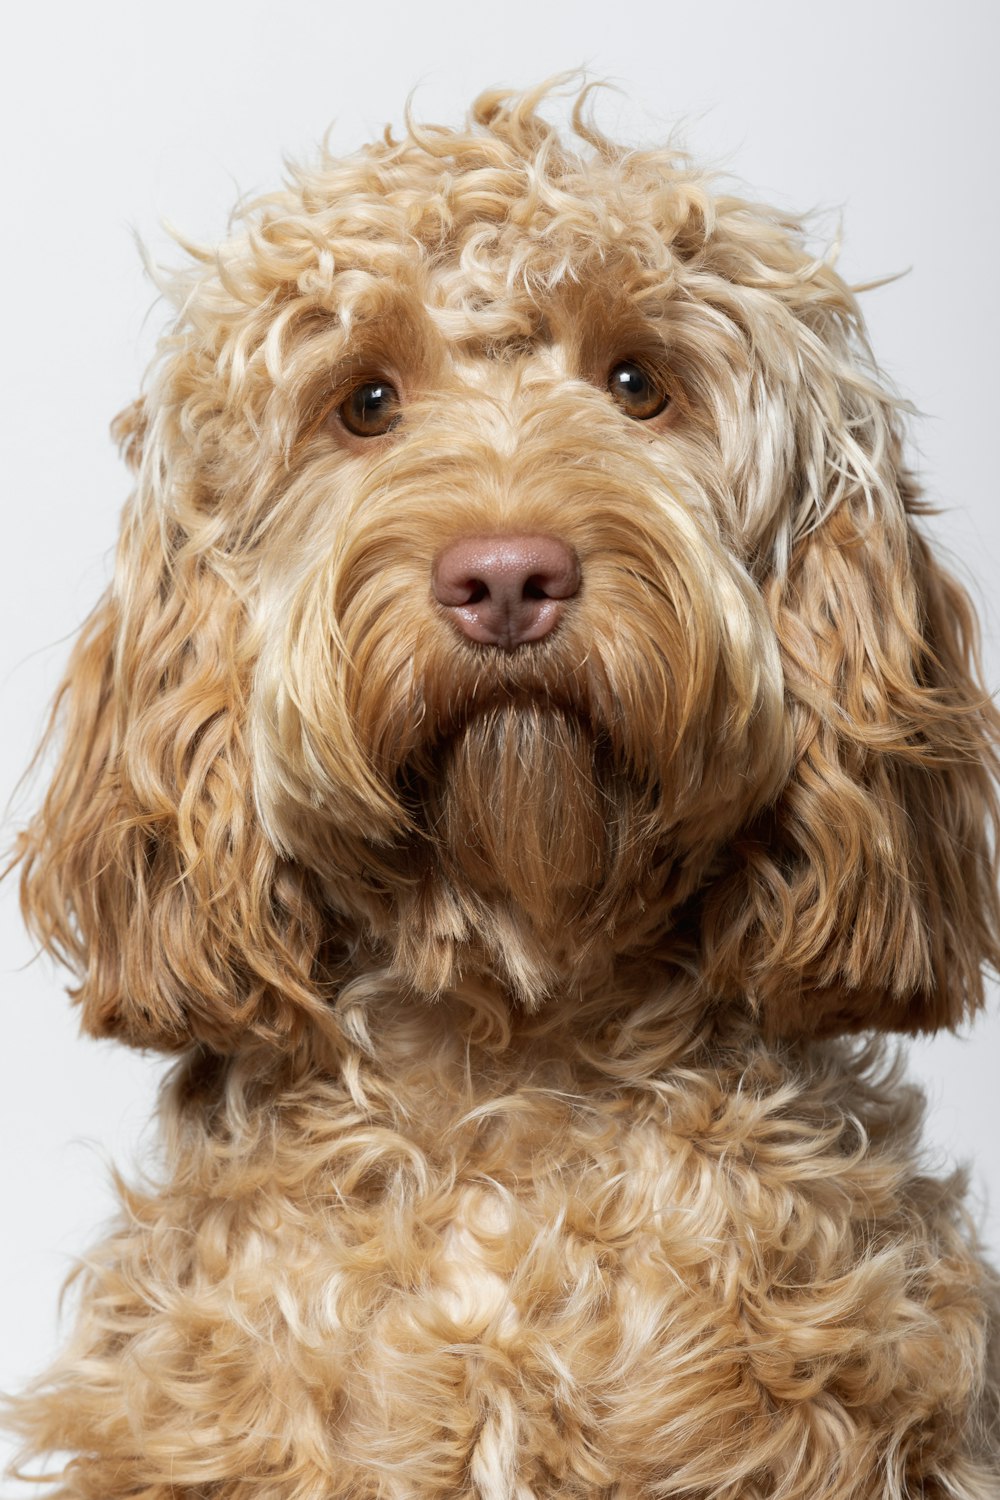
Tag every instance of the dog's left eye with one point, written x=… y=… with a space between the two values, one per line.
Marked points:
x=635 y=391
x=371 y=409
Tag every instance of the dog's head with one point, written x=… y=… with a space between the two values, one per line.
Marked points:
x=521 y=580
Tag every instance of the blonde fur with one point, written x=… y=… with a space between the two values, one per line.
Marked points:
x=514 y=1147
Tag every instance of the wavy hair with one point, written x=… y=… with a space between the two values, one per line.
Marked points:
x=229 y=828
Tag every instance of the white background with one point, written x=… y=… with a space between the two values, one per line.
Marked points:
x=117 y=115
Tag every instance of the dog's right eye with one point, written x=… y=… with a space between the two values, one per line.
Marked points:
x=371 y=409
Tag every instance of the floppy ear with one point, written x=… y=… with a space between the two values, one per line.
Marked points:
x=145 y=869
x=867 y=895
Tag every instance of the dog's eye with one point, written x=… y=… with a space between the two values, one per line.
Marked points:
x=636 y=392
x=371 y=409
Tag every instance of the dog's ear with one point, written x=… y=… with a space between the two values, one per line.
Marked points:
x=867 y=895
x=146 y=870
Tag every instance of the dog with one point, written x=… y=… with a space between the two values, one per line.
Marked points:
x=527 y=760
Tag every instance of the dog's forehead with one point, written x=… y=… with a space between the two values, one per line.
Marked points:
x=499 y=294
x=495 y=247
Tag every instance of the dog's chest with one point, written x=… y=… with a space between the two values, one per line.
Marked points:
x=563 y=1288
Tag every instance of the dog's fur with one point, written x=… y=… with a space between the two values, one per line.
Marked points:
x=515 y=1147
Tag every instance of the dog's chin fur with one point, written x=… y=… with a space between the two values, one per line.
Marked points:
x=514 y=1151
x=527 y=806
x=532 y=835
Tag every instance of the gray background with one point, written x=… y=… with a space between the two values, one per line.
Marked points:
x=117 y=115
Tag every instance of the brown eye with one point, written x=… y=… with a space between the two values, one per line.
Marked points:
x=371 y=409
x=636 y=392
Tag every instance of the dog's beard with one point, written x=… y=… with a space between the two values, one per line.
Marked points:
x=533 y=841
x=518 y=808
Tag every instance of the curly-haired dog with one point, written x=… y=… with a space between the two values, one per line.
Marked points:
x=526 y=731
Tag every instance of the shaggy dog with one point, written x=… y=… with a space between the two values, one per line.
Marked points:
x=526 y=733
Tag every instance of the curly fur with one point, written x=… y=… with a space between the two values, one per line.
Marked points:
x=515 y=1148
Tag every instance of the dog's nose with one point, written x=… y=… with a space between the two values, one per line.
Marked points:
x=506 y=590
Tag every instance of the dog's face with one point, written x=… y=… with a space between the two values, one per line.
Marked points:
x=516 y=685
x=520 y=582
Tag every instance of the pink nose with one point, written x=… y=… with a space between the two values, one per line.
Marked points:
x=506 y=590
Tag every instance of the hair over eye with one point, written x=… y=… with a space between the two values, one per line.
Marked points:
x=371 y=408
x=636 y=392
